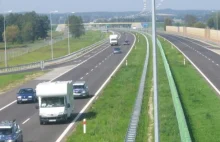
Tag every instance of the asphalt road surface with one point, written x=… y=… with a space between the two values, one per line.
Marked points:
x=95 y=67
x=207 y=61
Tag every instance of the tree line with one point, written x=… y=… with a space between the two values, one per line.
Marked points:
x=213 y=22
x=31 y=26
x=26 y=27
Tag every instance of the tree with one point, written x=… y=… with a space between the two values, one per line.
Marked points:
x=214 y=21
x=190 y=20
x=167 y=22
x=27 y=32
x=1 y=27
x=211 y=23
x=76 y=26
x=199 y=25
x=12 y=33
x=42 y=26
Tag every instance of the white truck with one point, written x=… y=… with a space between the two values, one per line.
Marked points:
x=55 y=101
x=113 y=39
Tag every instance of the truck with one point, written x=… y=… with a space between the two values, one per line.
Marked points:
x=55 y=101
x=113 y=39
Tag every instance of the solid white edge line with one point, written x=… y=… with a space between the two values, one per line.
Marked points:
x=26 y=121
x=60 y=74
x=214 y=87
x=91 y=100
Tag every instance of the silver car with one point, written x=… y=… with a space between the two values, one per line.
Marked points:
x=80 y=89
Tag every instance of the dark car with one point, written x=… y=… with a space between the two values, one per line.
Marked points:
x=10 y=132
x=117 y=50
x=126 y=42
x=26 y=95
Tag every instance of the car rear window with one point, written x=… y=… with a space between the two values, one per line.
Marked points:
x=78 y=86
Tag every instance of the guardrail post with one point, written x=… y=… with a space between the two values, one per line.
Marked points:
x=184 y=61
x=42 y=65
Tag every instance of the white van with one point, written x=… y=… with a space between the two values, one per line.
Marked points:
x=56 y=102
x=113 y=39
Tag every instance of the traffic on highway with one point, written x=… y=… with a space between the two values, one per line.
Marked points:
x=109 y=71
x=57 y=102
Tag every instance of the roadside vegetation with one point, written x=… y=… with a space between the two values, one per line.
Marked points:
x=113 y=109
x=169 y=131
x=60 y=49
x=145 y=127
x=201 y=104
x=12 y=80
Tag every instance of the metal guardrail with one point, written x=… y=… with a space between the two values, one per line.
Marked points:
x=42 y=64
x=132 y=129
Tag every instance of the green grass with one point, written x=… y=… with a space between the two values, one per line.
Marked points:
x=200 y=102
x=142 y=131
x=169 y=131
x=10 y=45
x=109 y=116
x=9 y=81
x=60 y=49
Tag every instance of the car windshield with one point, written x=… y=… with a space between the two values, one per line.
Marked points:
x=5 y=131
x=117 y=49
x=23 y=91
x=113 y=39
x=78 y=87
x=52 y=102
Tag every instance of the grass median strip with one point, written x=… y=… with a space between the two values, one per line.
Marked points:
x=114 y=107
x=200 y=102
x=169 y=131
x=10 y=81
x=60 y=49
x=145 y=126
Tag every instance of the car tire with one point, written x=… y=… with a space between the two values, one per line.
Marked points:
x=18 y=102
x=41 y=122
x=22 y=138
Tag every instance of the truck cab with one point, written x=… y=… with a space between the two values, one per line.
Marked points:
x=55 y=101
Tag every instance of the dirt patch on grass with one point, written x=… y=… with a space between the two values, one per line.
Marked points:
x=20 y=82
x=151 y=116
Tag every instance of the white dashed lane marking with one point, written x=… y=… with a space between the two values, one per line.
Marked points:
x=26 y=121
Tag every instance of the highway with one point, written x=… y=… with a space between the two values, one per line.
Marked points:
x=205 y=60
x=94 y=67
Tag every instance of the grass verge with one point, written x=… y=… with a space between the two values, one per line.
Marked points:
x=60 y=49
x=10 y=81
x=169 y=131
x=145 y=126
x=200 y=102
x=114 y=107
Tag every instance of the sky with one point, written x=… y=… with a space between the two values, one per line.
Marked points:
x=45 y=6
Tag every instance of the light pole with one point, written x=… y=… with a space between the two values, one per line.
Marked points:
x=51 y=34
x=154 y=40
x=217 y=26
x=6 y=64
x=69 y=32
